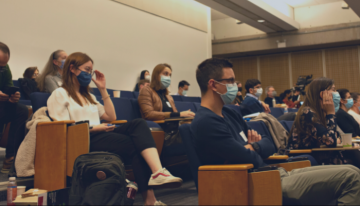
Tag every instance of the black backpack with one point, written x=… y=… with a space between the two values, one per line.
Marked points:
x=98 y=179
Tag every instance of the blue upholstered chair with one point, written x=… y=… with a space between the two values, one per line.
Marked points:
x=190 y=99
x=276 y=112
x=177 y=98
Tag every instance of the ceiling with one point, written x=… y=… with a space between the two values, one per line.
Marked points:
x=215 y=15
x=304 y=3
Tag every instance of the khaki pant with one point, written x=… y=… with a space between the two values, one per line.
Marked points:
x=321 y=185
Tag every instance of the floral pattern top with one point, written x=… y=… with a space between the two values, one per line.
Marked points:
x=315 y=135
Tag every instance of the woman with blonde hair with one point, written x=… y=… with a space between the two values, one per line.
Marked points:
x=50 y=78
x=132 y=141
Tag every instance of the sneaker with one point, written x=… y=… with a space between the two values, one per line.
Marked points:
x=7 y=165
x=163 y=179
x=160 y=203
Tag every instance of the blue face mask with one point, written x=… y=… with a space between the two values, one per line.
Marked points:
x=349 y=104
x=62 y=64
x=165 y=81
x=336 y=100
x=84 y=78
x=231 y=93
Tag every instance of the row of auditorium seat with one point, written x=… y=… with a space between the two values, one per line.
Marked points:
x=277 y=112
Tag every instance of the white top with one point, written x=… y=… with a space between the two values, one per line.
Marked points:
x=177 y=94
x=355 y=115
x=62 y=107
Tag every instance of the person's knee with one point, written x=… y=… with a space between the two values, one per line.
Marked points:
x=140 y=122
x=22 y=110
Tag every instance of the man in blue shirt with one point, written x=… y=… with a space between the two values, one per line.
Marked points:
x=253 y=92
x=221 y=136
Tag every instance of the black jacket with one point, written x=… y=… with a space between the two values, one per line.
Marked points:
x=347 y=123
x=28 y=86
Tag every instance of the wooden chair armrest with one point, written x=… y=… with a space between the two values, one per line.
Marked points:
x=159 y=138
x=226 y=167
x=278 y=157
x=173 y=120
x=56 y=123
x=117 y=122
x=300 y=151
x=159 y=121
x=265 y=188
x=289 y=166
x=78 y=143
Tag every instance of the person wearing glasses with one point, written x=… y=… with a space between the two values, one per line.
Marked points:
x=50 y=78
x=28 y=84
x=10 y=110
x=253 y=93
x=132 y=141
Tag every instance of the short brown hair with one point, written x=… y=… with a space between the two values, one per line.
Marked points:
x=29 y=72
x=155 y=77
x=4 y=48
x=355 y=96
x=143 y=81
x=211 y=69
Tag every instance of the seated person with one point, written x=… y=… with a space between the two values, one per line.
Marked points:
x=251 y=101
x=28 y=84
x=346 y=122
x=221 y=135
x=354 y=111
x=10 y=110
x=183 y=88
x=50 y=78
x=271 y=95
x=286 y=98
x=239 y=98
x=143 y=83
x=296 y=96
x=156 y=103
x=145 y=74
x=132 y=141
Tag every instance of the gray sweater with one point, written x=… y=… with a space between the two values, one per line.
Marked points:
x=52 y=82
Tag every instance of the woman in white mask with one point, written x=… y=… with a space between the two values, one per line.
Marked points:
x=156 y=104
x=145 y=74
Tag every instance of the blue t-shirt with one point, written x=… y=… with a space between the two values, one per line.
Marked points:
x=218 y=140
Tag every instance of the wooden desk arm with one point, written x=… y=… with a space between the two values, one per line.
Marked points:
x=226 y=167
x=278 y=157
x=159 y=121
x=300 y=151
x=117 y=122
x=289 y=166
x=55 y=123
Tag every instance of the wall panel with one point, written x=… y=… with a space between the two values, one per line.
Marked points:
x=274 y=71
x=342 y=65
x=245 y=68
x=306 y=63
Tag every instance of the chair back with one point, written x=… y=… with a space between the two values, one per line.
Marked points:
x=197 y=105
x=293 y=110
x=194 y=160
x=124 y=109
x=287 y=124
x=22 y=95
x=190 y=99
x=276 y=112
x=127 y=94
x=177 y=98
x=16 y=83
x=184 y=106
x=136 y=94
x=38 y=100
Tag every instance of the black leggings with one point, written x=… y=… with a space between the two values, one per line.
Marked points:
x=128 y=141
x=17 y=115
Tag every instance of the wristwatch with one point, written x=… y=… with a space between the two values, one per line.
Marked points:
x=255 y=146
x=90 y=127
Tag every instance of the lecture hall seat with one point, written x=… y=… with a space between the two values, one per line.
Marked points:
x=177 y=98
x=190 y=99
x=233 y=184
x=276 y=112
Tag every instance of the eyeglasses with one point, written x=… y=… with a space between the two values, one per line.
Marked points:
x=35 y=75
x=89 y=71
x=228 y=81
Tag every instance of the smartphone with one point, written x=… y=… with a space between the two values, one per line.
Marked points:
x=116 y=125
x=11 y=90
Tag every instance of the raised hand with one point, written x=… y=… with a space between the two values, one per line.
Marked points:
x=327 y=103
x=100 y=80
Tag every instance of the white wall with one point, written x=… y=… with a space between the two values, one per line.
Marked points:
x=121 y=40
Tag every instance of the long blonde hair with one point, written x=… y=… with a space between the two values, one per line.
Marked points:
x=50 y=68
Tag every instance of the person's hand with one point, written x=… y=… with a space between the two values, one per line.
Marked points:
x=14 y=97
x=327 y=103
x=3 y=97
x=297 y=102
x=100 y=80
x=266 y=107
x=188 y=113
x=250 y=147
x=253 y=136
x=103 y=128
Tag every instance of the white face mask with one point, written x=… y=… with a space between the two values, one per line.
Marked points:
x=148 y=77
x=259 y=92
